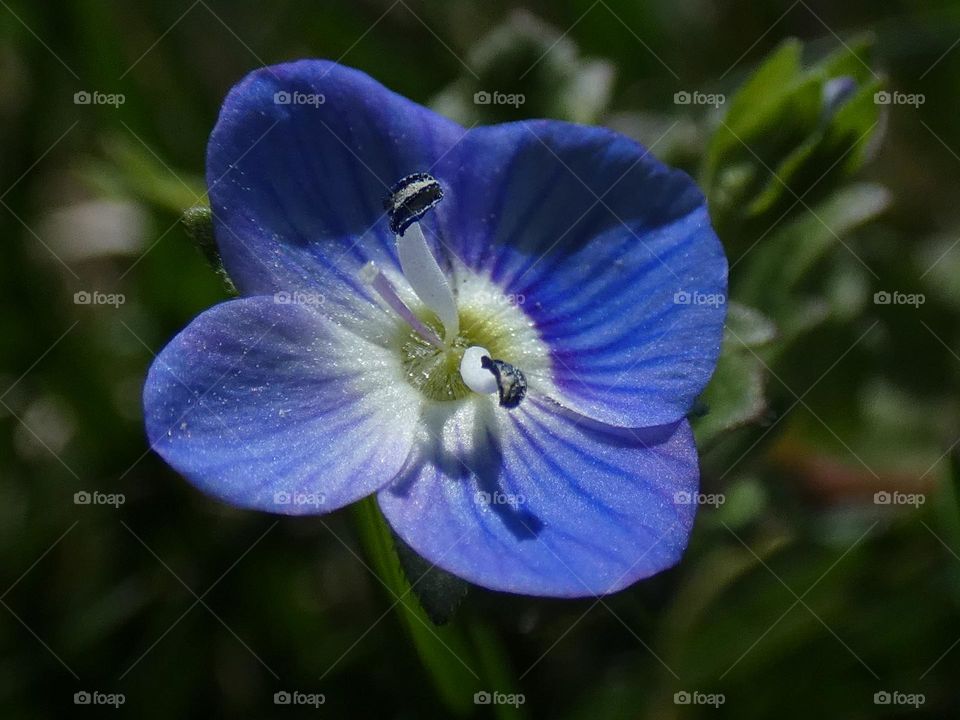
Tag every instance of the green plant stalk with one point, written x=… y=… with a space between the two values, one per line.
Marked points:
x=462 y=656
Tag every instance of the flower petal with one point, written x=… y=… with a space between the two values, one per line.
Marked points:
x=278 y=408
x=541 y=501
x=612 y=252
x=298 y=167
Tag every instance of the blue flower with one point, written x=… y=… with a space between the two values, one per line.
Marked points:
x=508 y=368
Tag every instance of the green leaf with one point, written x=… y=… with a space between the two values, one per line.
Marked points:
x=853 y=127
x=735 y=395
x=733 y=398
x=132 y=169
x=751 y=107
x=780 y=123
x=769 y=273
x=745 y=501
x=495 y=669
x=851 y=59
x=941 y=280
x=789 y=133
x=834 y=151
x=779 y=70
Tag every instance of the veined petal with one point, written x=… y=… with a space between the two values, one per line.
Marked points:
x=276 y=407
x=298 y=166
x=541 y=501
x=613 y=252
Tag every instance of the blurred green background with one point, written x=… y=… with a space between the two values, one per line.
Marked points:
x=804 y=593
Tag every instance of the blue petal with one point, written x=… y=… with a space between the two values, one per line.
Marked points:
x=275 y=407
x=297 y=188
x=592 y=231
x=604 y=243
x=540 y=501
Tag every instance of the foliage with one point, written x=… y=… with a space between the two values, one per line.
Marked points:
x=803 y=593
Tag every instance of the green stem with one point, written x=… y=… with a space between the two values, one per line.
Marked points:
x=461 y=658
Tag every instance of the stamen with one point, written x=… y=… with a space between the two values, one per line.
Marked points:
x=484 y=375
x=410 y=199
x=474 y=375
x=511 y=382
x=371 y=275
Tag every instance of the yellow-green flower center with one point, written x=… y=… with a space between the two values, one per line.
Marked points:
x=435 y=372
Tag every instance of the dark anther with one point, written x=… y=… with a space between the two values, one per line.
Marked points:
x=511 y=383
x=410 y=199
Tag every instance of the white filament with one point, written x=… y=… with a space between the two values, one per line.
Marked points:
x=371 y=275
x=421 y=270
x=475 y=376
